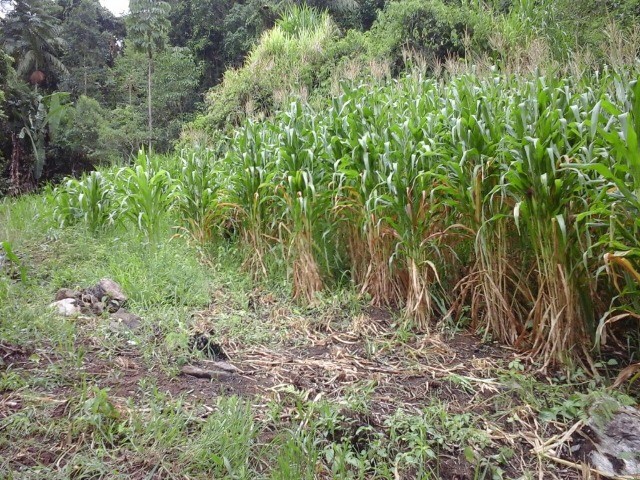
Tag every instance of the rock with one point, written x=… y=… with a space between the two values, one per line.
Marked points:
x=97 y=308
x=105 y=295
x=94 y=304
x=202 y=373
x=66 y=307
x=66 y=293
x=113 y=306
x=94 y=308
x=108 y=288
x=89 y=304
x=613 y=434
x=130 y=320
x=88 y=299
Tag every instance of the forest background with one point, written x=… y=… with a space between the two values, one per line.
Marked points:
x=74 y=82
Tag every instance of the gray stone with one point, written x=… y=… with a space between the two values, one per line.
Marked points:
x=97 y=308
x=66 y=307
x=90 y=305
x=113 y=306
x=615 y=438
x=108 y=288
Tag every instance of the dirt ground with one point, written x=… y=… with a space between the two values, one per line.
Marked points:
x=323 y=359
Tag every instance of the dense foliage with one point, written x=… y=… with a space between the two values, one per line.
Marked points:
x=507 y=200
x=461 y=160
x=233 y=60
x=79 y=47
x=333 y=197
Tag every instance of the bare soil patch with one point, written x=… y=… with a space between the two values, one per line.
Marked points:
x=363 y=358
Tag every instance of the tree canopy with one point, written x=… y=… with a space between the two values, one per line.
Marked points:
x=32 y=36
x=194 y=67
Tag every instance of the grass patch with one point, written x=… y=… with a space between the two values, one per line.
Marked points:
x=333 y=390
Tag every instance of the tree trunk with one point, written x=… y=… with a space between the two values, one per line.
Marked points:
x=14 y=167
x=36 y=89
x=149 y=102
x=19 y=176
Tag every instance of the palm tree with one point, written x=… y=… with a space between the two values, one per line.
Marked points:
x=31 y=36
x=148 y=27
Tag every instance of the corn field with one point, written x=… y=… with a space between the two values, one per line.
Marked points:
x=510 y=201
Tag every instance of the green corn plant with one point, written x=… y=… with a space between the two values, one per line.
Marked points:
x=198 y=196
x=616 y=120
x=303 y=203
x=356 y=147
x=418 y=221
x=16 y=263
x=64 y=211
x=514 y=189
x=250 y=198
x=470 y=187
x=89 y=200
x=146 y=194
x=550 y=206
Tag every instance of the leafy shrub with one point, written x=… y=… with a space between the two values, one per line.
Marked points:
x=243 y=26
x=520 y=190
x=79 y=137
x=124 y=133
x=283 y=64
x=433 y=29
x=584 y=22
x=176 y=75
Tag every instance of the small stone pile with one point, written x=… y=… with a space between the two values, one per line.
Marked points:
x=106 y=296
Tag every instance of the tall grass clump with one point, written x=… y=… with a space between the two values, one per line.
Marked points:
x=250 y=193
x=619 y=187
x=471 y=180
x=301 y=193
x=384 y=149
x=551 y=210
x=413 y=212
x=287 y=63
x=278 y=191
x=356 y=148
x=487 y=183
